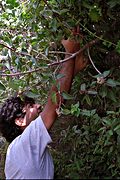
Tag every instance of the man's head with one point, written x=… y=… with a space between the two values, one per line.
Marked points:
x=16 y=115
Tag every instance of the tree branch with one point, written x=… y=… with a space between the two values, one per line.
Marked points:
x=25 y=54
x=54 y=63
x=22 y=73
x=14 y=50
x=86 y=46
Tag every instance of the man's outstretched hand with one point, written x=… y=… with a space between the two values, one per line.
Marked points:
x=72 y=46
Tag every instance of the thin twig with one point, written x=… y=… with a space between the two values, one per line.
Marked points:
x=22 y=73
x=92 y=62
x=98 y=37
x=7 y=46
x=3 y=9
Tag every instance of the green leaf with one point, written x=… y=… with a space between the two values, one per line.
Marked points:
x=118 y=131
x=54 y=97
x=87 y=98
x=12 y=3
x=65 y=111
x=95 y=13
x=18 y=62
x=75 y=105
x=118 y=141
x=83 y=87
x=75 y=110
x=103 y=91
x=59 y=76
x=66 y=96
x=107 y=122
x=13 y=85
x=2 y=86
x=63 y=11
x=34 y=61
x=98 y=76
x=32 y=95
x=113 y=3
x=118 y=47
x=117 y=127
x=110 y=112
x=112 y=83
x=86 y=113
x=58 y=86
x=110 y=132
x=102 y=129
x=106 y=73
x=92 y=92
x=111 y=95
x=54 y=25
x=86 y=5
x=47 y=51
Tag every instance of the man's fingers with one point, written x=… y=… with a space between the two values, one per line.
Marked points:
x=70 y=45
x=80 y=62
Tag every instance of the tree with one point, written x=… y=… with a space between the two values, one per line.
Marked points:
x=30 y=46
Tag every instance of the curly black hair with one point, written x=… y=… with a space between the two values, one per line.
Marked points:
x=9 y=111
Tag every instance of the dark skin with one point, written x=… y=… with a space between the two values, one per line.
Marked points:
x=69 y=69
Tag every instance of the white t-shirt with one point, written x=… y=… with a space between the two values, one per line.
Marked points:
x=28 y=156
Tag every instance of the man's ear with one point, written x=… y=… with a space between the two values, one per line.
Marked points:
x=20 y=122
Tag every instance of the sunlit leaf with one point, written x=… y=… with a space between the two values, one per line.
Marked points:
x=13 y=3
x=59 y=76
x=54 y=97
x=65 y=111
x=66 y=96
x=83 y=87
x=92 y=92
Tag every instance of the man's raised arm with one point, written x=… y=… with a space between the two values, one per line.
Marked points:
x=49 y=112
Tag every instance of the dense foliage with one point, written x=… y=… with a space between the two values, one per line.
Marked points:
x=30 y=37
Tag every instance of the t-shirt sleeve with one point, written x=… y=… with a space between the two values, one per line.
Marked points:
x=34 y=139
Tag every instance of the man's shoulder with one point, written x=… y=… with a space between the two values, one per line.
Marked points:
x=14 y=142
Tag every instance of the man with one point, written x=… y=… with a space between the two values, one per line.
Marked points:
x=24 y=125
